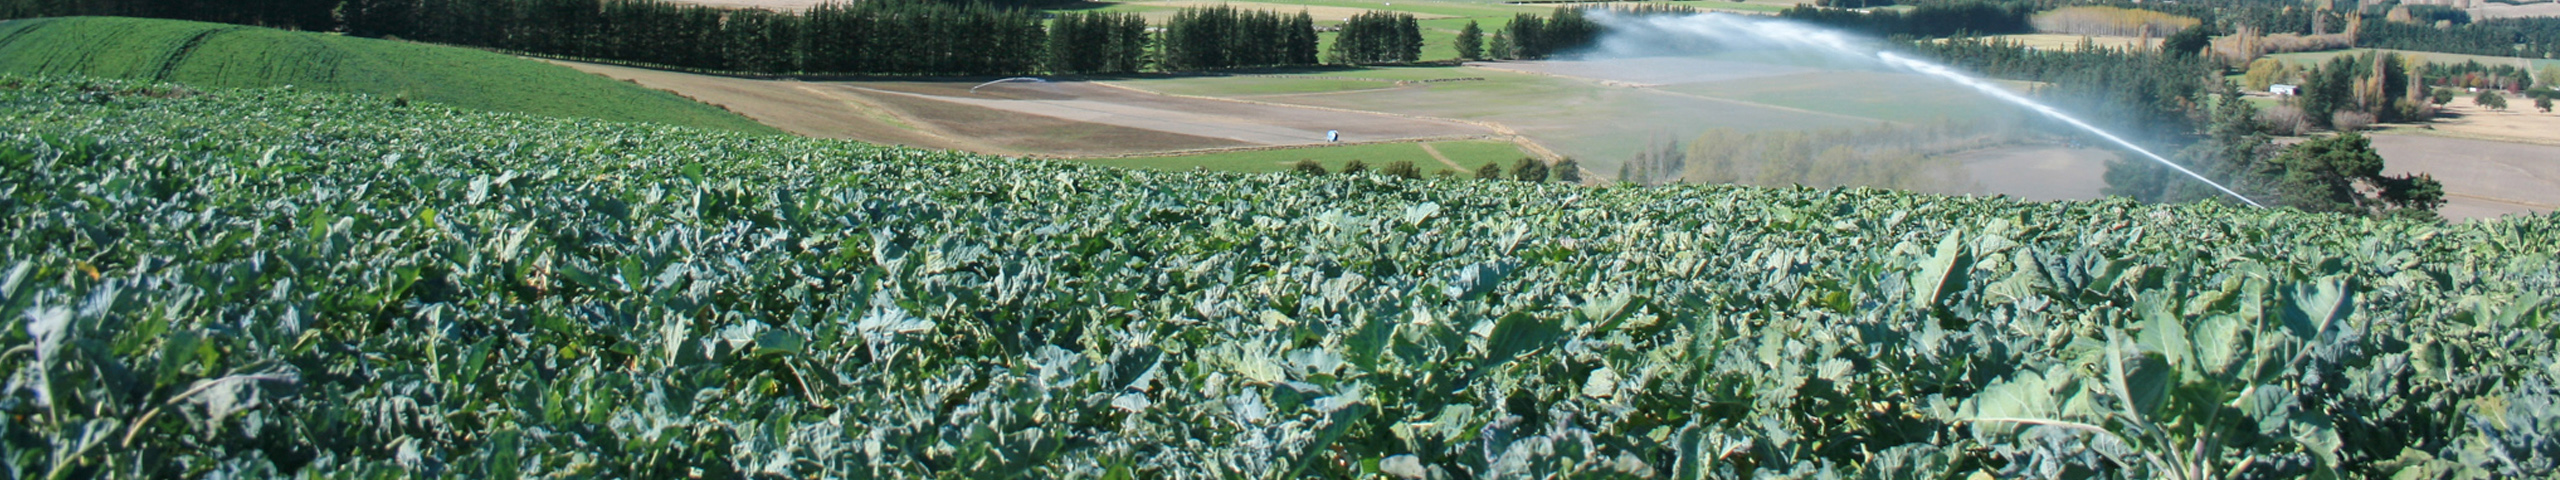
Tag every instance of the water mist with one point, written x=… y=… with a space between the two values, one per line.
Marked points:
x=1780 y=41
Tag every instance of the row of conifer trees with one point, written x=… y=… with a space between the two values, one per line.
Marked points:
x=865 y=37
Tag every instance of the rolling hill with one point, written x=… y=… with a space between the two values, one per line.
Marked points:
x=219 y=55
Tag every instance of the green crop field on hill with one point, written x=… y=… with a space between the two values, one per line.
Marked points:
x=218 y=283
x=218 y=55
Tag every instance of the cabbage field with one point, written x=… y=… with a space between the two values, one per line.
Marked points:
x=258 y=283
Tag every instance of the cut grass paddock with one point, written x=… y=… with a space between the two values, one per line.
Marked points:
x=217 y=55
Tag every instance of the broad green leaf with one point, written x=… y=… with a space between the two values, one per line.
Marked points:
x=1941 y=273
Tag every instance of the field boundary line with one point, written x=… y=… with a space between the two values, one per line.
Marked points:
x=1527 y=144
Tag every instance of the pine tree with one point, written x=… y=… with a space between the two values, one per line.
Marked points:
x=1490 y=171
x=1470 y=42
x=1569 y=171
x=1409 y=39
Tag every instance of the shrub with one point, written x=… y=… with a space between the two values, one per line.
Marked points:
x=2350 y=120
x=1308 y=166
x=2285 y=120
x=1529 y=170
x=1402 y=168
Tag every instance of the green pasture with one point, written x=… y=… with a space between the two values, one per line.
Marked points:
x=1472 y=154
x=217 y=55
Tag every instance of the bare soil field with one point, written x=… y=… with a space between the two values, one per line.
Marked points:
x=2482 y=179
x=2039 y=172
x=2519 y=123
x=1062 y=119
x=1249 y=123
x=796 y=107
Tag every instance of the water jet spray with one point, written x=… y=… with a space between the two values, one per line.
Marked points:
x=1654 y=35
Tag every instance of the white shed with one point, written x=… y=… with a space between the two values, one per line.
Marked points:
x=2283 y=89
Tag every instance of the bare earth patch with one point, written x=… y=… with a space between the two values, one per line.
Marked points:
x=796 y=107
x=2487 y=10
x=2482 y=179
x=2519 y=123
x=1061 y=119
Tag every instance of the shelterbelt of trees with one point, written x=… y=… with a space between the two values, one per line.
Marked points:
x=875 y=37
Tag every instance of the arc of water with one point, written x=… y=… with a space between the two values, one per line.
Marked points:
x=974 y=90
x=1941 y=71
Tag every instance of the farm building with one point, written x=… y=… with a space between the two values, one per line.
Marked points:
x=2283 y=89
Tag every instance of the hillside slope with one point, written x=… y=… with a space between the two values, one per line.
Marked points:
x=218 y=55
x=266 y=282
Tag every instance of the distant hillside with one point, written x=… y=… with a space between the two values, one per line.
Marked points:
x=218 y=55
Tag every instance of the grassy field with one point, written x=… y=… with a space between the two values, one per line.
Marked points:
x=1471 y=154
x=217 y=55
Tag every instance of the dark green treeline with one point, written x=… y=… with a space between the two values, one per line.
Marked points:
x=1219 y=37
x=871 y=37
x=1377 y=37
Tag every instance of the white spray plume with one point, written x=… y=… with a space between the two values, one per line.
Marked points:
x=1789 y=42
